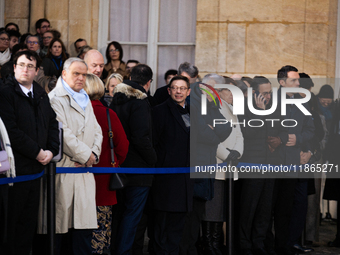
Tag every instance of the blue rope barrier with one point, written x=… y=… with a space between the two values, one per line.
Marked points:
x=21 y=178
x=107 y=170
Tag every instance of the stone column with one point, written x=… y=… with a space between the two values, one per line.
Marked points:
x=37 y=12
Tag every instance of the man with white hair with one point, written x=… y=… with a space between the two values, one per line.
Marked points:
x=75 y=193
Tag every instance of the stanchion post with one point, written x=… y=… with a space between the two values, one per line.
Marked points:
x=51 y=171
x=230 y=215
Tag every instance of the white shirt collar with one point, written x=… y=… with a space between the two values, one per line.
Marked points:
x=25 y=90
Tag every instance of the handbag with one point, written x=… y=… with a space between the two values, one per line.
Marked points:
x=4 y=163
x=117 y=180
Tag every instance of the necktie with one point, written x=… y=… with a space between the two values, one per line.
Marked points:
x=30 y=95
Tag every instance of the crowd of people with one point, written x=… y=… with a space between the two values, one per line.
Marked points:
x=110 y=119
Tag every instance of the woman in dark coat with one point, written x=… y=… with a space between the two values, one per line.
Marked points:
x=104 y=197
x=55 y=58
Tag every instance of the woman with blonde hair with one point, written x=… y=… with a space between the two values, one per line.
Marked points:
x=105 y=199
x=112 y=81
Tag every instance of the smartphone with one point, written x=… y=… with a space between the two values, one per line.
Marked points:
x=257 y=93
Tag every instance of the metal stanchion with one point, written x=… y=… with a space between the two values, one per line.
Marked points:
x=51 y=170
x=230 y=213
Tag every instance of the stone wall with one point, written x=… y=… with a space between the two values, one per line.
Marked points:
x=252 y=37
x=73 y=18
x=17 y=11
x=247 y=37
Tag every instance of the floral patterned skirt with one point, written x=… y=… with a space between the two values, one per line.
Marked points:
x=101 y=237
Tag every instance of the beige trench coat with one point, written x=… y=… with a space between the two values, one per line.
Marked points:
x=75 y=193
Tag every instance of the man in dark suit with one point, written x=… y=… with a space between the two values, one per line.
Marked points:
x=289 y=142
x=33 y=131
x=172 y=194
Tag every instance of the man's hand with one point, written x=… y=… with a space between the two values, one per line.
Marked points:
x=259 y=100
x=91 y=160
x=274 y=142
x=291 y=140
x=41 y=155
x=47 y=159
x=305 y=157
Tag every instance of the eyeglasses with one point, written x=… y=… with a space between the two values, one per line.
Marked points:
x=114 y=50
x=267 y=93
x=30 y=67
x=182 y=89
x=30 y=42
x=46 y=26
x=47 y=37
x=4 y=39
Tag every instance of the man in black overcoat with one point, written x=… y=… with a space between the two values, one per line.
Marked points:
x=33 y=131
x=172 y=194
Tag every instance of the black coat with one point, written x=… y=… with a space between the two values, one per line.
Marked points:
x=255 y=139
x=133 y=111
x=31 y=125
x=332 y=154
x=171 y=192
x=50 y=68
x=304 y=131
x=204 y=140
x=160 y=96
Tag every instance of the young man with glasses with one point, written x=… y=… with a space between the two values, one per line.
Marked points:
x=33 y=130
x=41 y=26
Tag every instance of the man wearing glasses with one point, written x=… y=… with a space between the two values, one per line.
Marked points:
x=41 y=26
x=172 y=194
x=33 y=130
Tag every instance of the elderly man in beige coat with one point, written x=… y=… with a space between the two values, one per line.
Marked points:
x=75 y=193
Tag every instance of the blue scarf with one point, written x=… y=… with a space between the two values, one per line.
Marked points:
x=60 y=61
x=81 y=98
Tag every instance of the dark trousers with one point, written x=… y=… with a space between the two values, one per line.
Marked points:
x=168 y=232
x=134 y=199
x=255 y=212
x=283 y=200
x=75 y=242
x=192 y=228
x=299 y=213
x=23 y=206
x=3 y=214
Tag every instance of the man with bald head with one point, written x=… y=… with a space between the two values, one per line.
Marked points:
x=95 y=62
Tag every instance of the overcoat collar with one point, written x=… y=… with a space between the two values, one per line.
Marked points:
x=60 y=91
